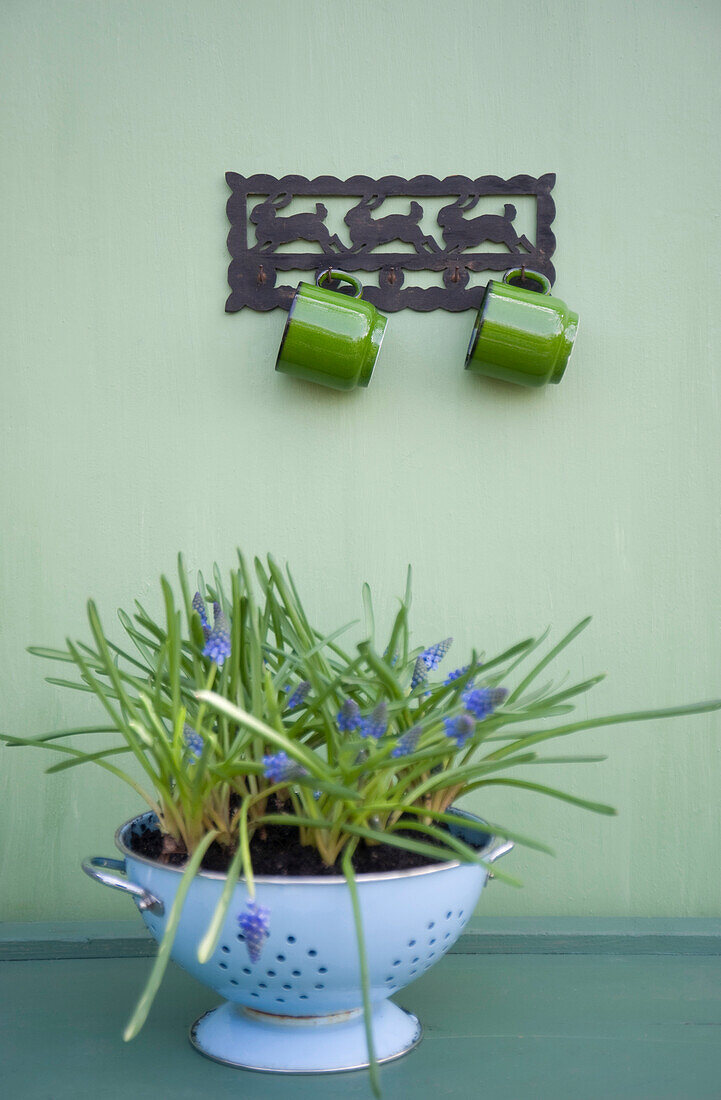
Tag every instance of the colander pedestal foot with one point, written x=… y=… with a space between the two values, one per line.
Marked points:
x=302 y=1044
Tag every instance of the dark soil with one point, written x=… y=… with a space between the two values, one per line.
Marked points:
x=277 y=851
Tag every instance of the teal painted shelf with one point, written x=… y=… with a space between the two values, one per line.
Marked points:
x=509 y=935
x=539 y=1023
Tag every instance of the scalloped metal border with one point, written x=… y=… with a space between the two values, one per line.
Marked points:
x=252 y=274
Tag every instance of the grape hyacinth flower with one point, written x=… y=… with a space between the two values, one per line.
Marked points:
x=255 y=925
x=429 y=660
x=377 y=722
x=483 y=701
x=435 y=653
x=349 y=716
x=217 y=646
x=460 y=728
x=408 y=742
x=193 y=741
x=199 y=606
x=420 y=673
x=298 y=696
x=456 y=674
x=279 y=768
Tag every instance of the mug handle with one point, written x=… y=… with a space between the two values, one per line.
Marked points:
x=526 y=273
x=331 y=273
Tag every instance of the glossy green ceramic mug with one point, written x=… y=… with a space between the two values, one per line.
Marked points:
x=329 y=337
x=520 y=335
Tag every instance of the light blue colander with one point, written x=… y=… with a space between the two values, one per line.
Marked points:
x=298 y=1008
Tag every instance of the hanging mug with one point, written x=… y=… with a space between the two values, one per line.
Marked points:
x=522 y=336
x=331 y=338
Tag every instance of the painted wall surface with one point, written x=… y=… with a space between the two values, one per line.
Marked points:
x=139 y=419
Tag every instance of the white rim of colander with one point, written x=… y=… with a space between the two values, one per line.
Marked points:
x=306 y=880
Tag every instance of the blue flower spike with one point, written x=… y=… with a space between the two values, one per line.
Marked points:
x=255 y=925
x=420 y=673
x=279 y=768
x=483 y=701
x=376 y=724
x=408 y=742
x=349 y=716
x=429 y=660
x=435 y=653
x=199 y=606
x=460 y=728
x=456 y=674
x=193 y=742
x=298 y=695
x=217 y=646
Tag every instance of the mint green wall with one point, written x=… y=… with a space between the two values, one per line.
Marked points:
x=138 y=418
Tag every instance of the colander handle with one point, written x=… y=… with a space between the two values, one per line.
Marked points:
x=497 y=852
x=143 y=899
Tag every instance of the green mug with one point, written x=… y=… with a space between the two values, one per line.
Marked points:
x=329 y=337
x=521 y=335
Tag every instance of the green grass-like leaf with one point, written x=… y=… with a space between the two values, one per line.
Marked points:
x=163 y=957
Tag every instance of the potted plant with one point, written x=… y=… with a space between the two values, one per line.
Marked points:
x=303 y=852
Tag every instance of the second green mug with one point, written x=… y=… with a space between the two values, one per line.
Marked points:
x=521 y=335
x=331 y=338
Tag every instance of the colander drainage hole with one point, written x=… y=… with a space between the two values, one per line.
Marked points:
x=240 y=937
x=303 y=997
x=415 y=960
x=254 y=994
x=262 y=985
x=287 y=987
x=312 y=952
x=290 y=939
x=413 y=971
x=460 y=913
x=246 y=970
x=396 y=962
x=296 y=973
x=431 y=924
x=223 y=966
x=280 y=958
x=432 y=940
x=447 y=936
x=270 y=973
x=280 y=1000
x=233 y=981
x=319 y=986
x=225 y=949
x=322 y=969
x=449 y=914
x=411 y=943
